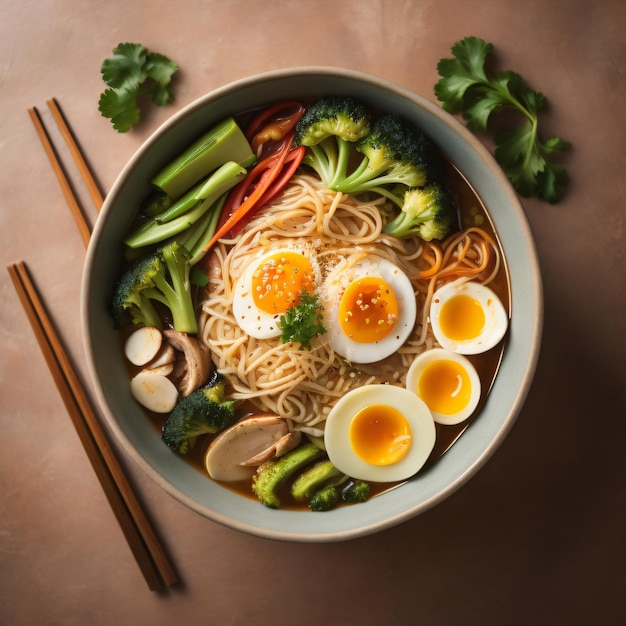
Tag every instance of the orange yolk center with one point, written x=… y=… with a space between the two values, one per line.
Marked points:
x=380 y=435
x=462 y=317
x=368 y=310
x=445 y=387
x=279 y=280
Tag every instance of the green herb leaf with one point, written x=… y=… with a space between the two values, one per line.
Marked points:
x=302 y=322
x=198 y=277
x=132 y=72
x=467 y=87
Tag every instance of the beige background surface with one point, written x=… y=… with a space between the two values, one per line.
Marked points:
x=537 y=537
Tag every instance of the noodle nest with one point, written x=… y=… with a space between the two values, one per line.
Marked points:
x=303 y=385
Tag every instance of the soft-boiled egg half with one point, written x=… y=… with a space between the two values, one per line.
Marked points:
x=369 y=309
x=467 y=317
x=447 y=382
x=379 y=433
x=269 y=285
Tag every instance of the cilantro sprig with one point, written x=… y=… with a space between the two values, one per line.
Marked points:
x=132 y=72
x=302 y=322
x=467 y=87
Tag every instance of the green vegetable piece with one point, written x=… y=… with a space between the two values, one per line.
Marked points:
x=394 y=153
x=324 y=499
x=302 y=322
x=329 y=128
x=159 y=277
x=132 y=72
x=155 y=203
x=189 y=209
x=198 y=235
x=222 y=179
x=467 y=87
x=356 y=491
x=427 y=213
x=312 y=479
x=224 y=142
x=271 y=474
x=204 y=411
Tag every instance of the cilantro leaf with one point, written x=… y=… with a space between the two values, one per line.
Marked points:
x=120 y=106
x=302 y=322
x=160 y=69
x=129 y=73
x=467 y=87
x=124 y=70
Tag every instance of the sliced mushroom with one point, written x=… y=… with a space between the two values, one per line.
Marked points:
x=164 y=361
x=143 y=344
x=197 y=361
x=162 y=370
x=165 y=356
x=256 y=437
x=155 y=392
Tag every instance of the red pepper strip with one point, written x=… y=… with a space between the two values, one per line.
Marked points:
x=251 y=201
x=246 y=187
x=269 y=128
x=255 y=125
x=294 y=158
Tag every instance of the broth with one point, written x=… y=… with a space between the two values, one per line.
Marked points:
x=486 y=364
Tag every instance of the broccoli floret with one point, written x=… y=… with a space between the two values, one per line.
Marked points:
x=312 y=479
x=324 y=499
x=329 y=128
x=203 y=411
x=356 y=491
x=428 y=213
x=161 y=276
x=332 y=494
x=271 y=474
x=394 y=152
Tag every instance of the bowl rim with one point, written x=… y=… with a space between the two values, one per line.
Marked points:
x=488 y=442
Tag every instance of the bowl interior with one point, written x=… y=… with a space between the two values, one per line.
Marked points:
x=108 y=371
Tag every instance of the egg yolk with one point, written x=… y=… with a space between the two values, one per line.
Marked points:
x=368 y=310
x=445 y=387
x=462 y=317
x=380 y=435
x=279 y=280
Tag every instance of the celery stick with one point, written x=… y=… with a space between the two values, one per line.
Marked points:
x=224 y=142
x=155 y=230
x=218 y=182
x=196 y=238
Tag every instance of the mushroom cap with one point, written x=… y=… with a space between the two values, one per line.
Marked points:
x=234 y=454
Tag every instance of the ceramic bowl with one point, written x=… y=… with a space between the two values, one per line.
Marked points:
x=429 y=487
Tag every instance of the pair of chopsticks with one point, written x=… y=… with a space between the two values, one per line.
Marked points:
x=150 y=555
x=83 y=168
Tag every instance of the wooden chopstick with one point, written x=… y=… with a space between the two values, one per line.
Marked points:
x=77 y=155
x=150 y=555
x=58 y=169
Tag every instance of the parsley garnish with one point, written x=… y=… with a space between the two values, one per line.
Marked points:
x=467 y=87
x=131 y=72
x=302 y=322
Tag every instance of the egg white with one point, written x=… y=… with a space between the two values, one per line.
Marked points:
x=414 y=410
x=338 y=281
x=496 y=319
x=252 y=320
x=439 y=354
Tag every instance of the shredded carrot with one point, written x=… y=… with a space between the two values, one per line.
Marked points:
x=433 y=255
